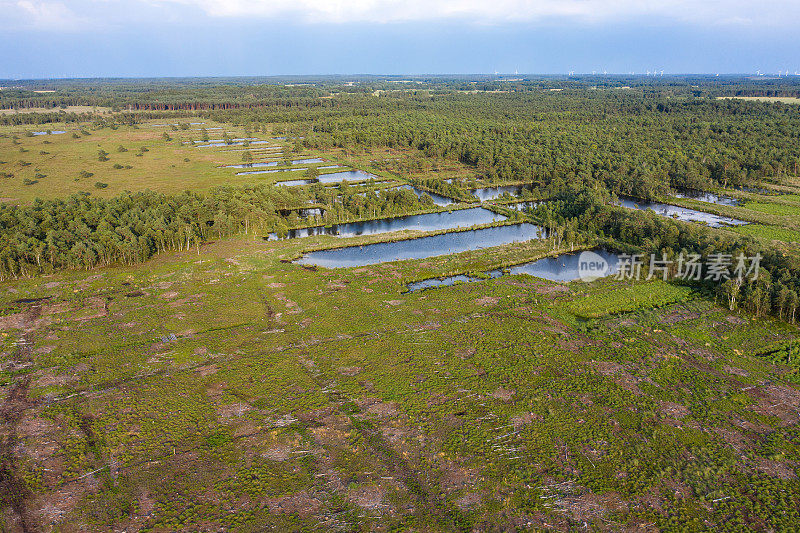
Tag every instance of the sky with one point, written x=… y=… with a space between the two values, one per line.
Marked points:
x=137 y=38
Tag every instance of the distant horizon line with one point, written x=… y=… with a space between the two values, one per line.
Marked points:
x=497 y=75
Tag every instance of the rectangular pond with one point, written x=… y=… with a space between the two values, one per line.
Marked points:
x=346 y=175
x=52 y=132
x=462 y=218
x=760 y=190
x=681 y=213
x=563 y=268
x=490 y=193
x=444 y=244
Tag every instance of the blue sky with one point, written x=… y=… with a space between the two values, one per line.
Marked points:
x=87 y=38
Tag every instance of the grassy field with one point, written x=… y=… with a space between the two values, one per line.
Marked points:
x=66 y=109
x=229 y=389
x=53 y=166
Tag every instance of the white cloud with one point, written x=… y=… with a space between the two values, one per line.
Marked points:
x=78 y=14
x=767 y=12
x=44 y=15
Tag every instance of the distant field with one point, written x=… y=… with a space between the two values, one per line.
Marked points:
x=68 y=109
x=782 y=99
x=52 y=166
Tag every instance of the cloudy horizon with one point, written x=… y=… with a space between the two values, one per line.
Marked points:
x=87 y=38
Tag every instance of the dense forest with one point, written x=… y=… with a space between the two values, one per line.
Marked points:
x=84 y=232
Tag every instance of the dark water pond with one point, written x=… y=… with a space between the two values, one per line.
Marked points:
x=490 y=193
x=444 y=244
x=462 y=218
x=681 y=213
x=563 y=268
x=708 y=197
x=346 y=175
x=761 y=190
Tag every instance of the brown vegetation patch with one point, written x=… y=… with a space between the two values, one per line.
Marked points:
x=279 y=452
x=367 y=496
x=551 y=289
x=468 y=501
x=779 y=469
x=735 y=320
x=233 y=411
x=524 y=419
x=189 y=300
x=300 y=503
x=487 y=301
x=349 y=371
x=678 y=315
x=608 y=368
x=504 y=394
x=675 y=410
x=736 y=371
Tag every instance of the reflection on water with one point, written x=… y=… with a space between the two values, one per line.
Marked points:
x=681 y=213
x=490 y=193
x=708 y=197
x=52 y=132
x=346 y=175
x=444 y=244
x=290 y=183
x=563 y=268
x=461 y=218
